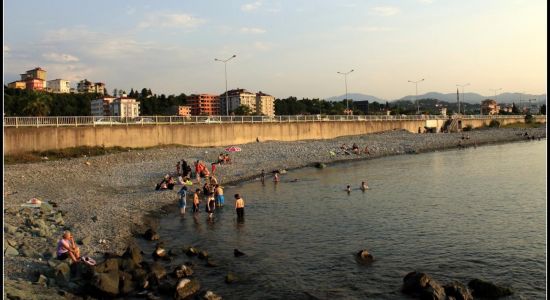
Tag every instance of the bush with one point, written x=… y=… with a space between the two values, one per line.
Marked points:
x=467 y=128
x=494 y=123
x=529 y=119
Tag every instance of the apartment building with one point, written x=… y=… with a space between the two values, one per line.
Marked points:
x=124 y=107
x=204 y=104
x=237 y=98
x=101 y=106
x=489 y=107
x=59 y=86
x=265 y=104
x=17 y=85
x=86 y=86
x=36 y=73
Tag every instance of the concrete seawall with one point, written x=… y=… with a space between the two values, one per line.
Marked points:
x=28 y=139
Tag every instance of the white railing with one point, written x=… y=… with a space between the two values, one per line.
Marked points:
x=164 y=120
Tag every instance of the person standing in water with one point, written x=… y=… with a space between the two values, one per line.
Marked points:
x=364 y=186
x=262 y=176
x=210 y=205
x=348 y=189
x=196 y=201
x=276 y=177
x=239 y=207
x=182 y=203
x=219 y=196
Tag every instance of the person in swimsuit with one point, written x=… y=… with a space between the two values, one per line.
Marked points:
x=364 y=186
x=66 y=247
x=239 y=207
x=182 y=202
x=196 y=201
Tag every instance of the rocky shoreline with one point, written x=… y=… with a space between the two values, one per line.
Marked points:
x=112 y=197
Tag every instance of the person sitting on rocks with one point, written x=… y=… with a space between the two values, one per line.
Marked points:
x=367 y=150
x=66 y=247
x=344 y=147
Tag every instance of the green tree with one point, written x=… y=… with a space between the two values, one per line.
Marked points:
x=515 y=109
x=38 y=106
x=543 y=109
x=242 y=110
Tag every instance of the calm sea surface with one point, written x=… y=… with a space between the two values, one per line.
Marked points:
x=456 y=215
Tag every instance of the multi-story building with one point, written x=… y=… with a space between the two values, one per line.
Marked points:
x=204 y=104
x=35 y=84
x=489 y=107
x=184 y=110
x=36 y=73
x=59 y=86
x=124 y=107
x=363 y=106
x=86 y=86
x=265 y=104
x=237 y=98
x=17 y=85
x=101 y=106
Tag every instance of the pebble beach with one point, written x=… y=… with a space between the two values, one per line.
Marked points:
x=106 y=200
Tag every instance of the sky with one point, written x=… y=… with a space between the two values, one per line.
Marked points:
x=283 y=48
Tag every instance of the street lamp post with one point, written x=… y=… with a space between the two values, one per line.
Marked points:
x=346 y=83
x=226 y=95
x=416 y=94
x=462 y=86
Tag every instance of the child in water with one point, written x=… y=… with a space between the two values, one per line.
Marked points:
x=364 y=186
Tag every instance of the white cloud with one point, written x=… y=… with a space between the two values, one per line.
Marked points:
x=426 y=1
x=367 y=28
x=252 y=30
x=60 y=57
x=164 y=20
x=251 y=6
x=262 y=46
x=385 y=11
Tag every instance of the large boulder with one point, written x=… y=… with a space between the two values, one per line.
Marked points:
x=209 y=295
x=151 y=235
x=134 y=252
x=10 y=251
x=186 y=287
x=422 y=286
x=458 y=291
x=182 y=271
x=203 y=254
x=158 y=271
x=488 y=289
x=108 y=265
x=126 y=285
x=364 y=256
x=107 y=283
x=191 y=251
x=237 y=253
x=63 y=272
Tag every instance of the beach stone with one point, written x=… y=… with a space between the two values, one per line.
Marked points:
x=230 y=278
x=211 y=263
x=421 y=285
x=151 y=235
x=458 y=291
x=27 y=251
x=237 y=253
x=9 y=229
x=108 y=265
x=95 y=219
x=203 y=254
x=42 y=280
x=191 y=251
x=364 y=256
x=186 y=287
x=107 y=283
x=46 y=208
x=11 y=242
x=486 y=289
x=209 y=295
x=63 y=272
x=320 y=165
x=10 y=251
x=87 y=240
x=182 y=271
x=134 y=253
x=126 y=284
x=158 y=271
x=159 y=253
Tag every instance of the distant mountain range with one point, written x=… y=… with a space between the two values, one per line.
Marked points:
x=472 y=98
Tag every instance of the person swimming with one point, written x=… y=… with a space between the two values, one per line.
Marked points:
x=364 y=186
x=348 y=189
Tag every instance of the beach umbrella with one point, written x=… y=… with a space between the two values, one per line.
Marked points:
x=233 y=149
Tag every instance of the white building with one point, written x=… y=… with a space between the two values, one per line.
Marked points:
x=59 y=86
x=124 y=107
x=237 y=98
x=101 y=106
x=86 y=86
x=109 y=106
x=265 y=104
